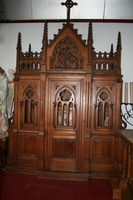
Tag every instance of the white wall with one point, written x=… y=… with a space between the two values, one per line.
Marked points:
x=104 y=34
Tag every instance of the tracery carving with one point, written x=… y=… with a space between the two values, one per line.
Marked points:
x=65 y=95
x=66 y=55
x=103 y=96
x=29 y=94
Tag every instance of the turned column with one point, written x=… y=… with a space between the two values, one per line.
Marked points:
x=131 y=165
x=124 y=163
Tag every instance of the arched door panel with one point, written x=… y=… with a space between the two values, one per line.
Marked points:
x=63 y=128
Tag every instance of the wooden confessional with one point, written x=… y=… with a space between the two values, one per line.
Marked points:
x=67 y=107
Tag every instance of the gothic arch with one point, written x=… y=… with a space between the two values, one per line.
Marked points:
x=29 y=106
x=65 y=110
x=103 y=111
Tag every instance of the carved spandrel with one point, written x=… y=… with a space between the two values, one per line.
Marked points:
x=26 y=86
x=66 y=55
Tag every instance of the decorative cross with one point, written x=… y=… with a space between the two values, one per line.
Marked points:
x=69 y=4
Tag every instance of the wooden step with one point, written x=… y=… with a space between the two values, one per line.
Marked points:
x=116 y=188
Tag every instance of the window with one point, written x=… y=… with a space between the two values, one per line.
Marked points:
x=29 y=108
x=65 y=108
x=103 y=111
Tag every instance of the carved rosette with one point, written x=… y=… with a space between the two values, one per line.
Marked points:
x=66 y=55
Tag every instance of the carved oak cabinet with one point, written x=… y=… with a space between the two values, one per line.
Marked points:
x=67 y=107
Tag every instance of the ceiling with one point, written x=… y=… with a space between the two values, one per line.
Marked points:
x=12 y=10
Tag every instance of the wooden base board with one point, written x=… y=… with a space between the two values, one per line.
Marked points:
x=61 y=175
x=49 y=174
x=64 y=176
x=102 y=175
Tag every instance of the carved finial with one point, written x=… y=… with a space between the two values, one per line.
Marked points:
x=69 y=4
x=90 y=34
x=111 y=50
x=19 y=42
x=119 y=41
x=29 y=48
x=45 y=39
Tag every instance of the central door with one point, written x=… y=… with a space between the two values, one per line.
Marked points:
x=64 y=128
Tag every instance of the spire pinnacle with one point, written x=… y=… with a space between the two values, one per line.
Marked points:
x=90 y=34
x=45 y=33
x=19 y=42
x=111 y=50
x=29 y=48
x=119 y=41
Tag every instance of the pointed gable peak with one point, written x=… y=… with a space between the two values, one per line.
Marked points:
x=71 y=28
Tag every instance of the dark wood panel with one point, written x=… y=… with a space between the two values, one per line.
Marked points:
x=63 y=148
x=102 y=149
x=69 y=149
x=57 y=148
x=27 y=145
